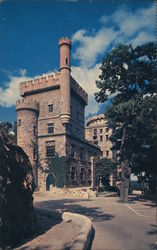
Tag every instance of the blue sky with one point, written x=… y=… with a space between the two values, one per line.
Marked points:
x=30 y=30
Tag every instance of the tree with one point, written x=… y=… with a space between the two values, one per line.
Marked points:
x=129 y=77
x=8 y=131
x=104 y=168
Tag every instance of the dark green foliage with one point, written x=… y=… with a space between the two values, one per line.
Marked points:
x=58 y=167
x=9 y=131
x=128 y=72
x=105 y=167
x=17 y=217
x=130 y=76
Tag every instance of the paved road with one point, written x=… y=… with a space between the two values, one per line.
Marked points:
x=118 y=226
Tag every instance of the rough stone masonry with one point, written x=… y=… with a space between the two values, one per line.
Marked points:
x=50 y=119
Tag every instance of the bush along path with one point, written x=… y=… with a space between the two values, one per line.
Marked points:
x=17 y=216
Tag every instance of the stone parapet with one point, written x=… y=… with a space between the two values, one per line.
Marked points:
x=23 y=105
x=80 y=91
x=95 y=118
x=65 y=40
x=41 y=83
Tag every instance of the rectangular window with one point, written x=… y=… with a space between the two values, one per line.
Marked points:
x=106 y=137
x=101 y=130
x=95 y=131
x=82 y=154
x=34 y=153
x=50 y=151
x=101 y=137
x=82 y=174
x=107 y=153
x=50 y=128
x=19 y=122
x=78 y=115
x=95 y=137
x=73 y=174
x=50 y=108
x=34 y=130
x=107 y=129
x=73 y=151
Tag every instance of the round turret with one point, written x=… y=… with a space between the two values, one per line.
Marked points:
x=27 y=120
x=65 y=46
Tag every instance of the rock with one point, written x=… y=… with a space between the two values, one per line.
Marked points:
x=17 y=216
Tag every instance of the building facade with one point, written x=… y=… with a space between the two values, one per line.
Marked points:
x=98 y=133
x=50 y=120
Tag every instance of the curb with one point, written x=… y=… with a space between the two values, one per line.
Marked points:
x=83 y=240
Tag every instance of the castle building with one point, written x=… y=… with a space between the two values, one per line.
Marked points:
x=98 y=132
x=50 y=120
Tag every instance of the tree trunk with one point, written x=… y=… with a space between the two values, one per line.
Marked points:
x=124 y=186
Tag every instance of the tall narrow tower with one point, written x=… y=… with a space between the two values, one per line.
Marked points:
x=65 y=46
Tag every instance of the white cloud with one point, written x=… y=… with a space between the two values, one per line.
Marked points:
x=123 y=26
x=92 y=46
x=10 y=93
x=141 y=38
x=131 y=22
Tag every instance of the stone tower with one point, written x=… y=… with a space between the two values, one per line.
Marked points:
x=65 y=46
x=50 y=120
x=27 y=122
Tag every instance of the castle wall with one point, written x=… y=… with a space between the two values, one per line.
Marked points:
x=27 y=125
x=59 y=141
x=52 y=118
x=77 y=117
x=101 y=136
x=45 y=99
x=80 y=155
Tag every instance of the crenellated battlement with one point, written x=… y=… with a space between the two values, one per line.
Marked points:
x=23 y=104
x=64 y=40
x=37 y=84
x=80 y=91
x=95 y=118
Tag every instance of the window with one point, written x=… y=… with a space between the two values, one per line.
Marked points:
x=50 y=128
x=19 y=122
x=95 y=137
x=107 y=129
x=82 y=174
x=73 y=175
x=69 y=128
x=50 y=151
x=72 y=151
x=81 y=154
x=78 y=115
x=95 y=131
x=50 y=108
x=106 y=137
x=34 y=153
x=101 y=130
x=89 y=172
x=101 y=137
x=66 y=60
x=34 y=130
x=96 y=142
x=107 y=153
